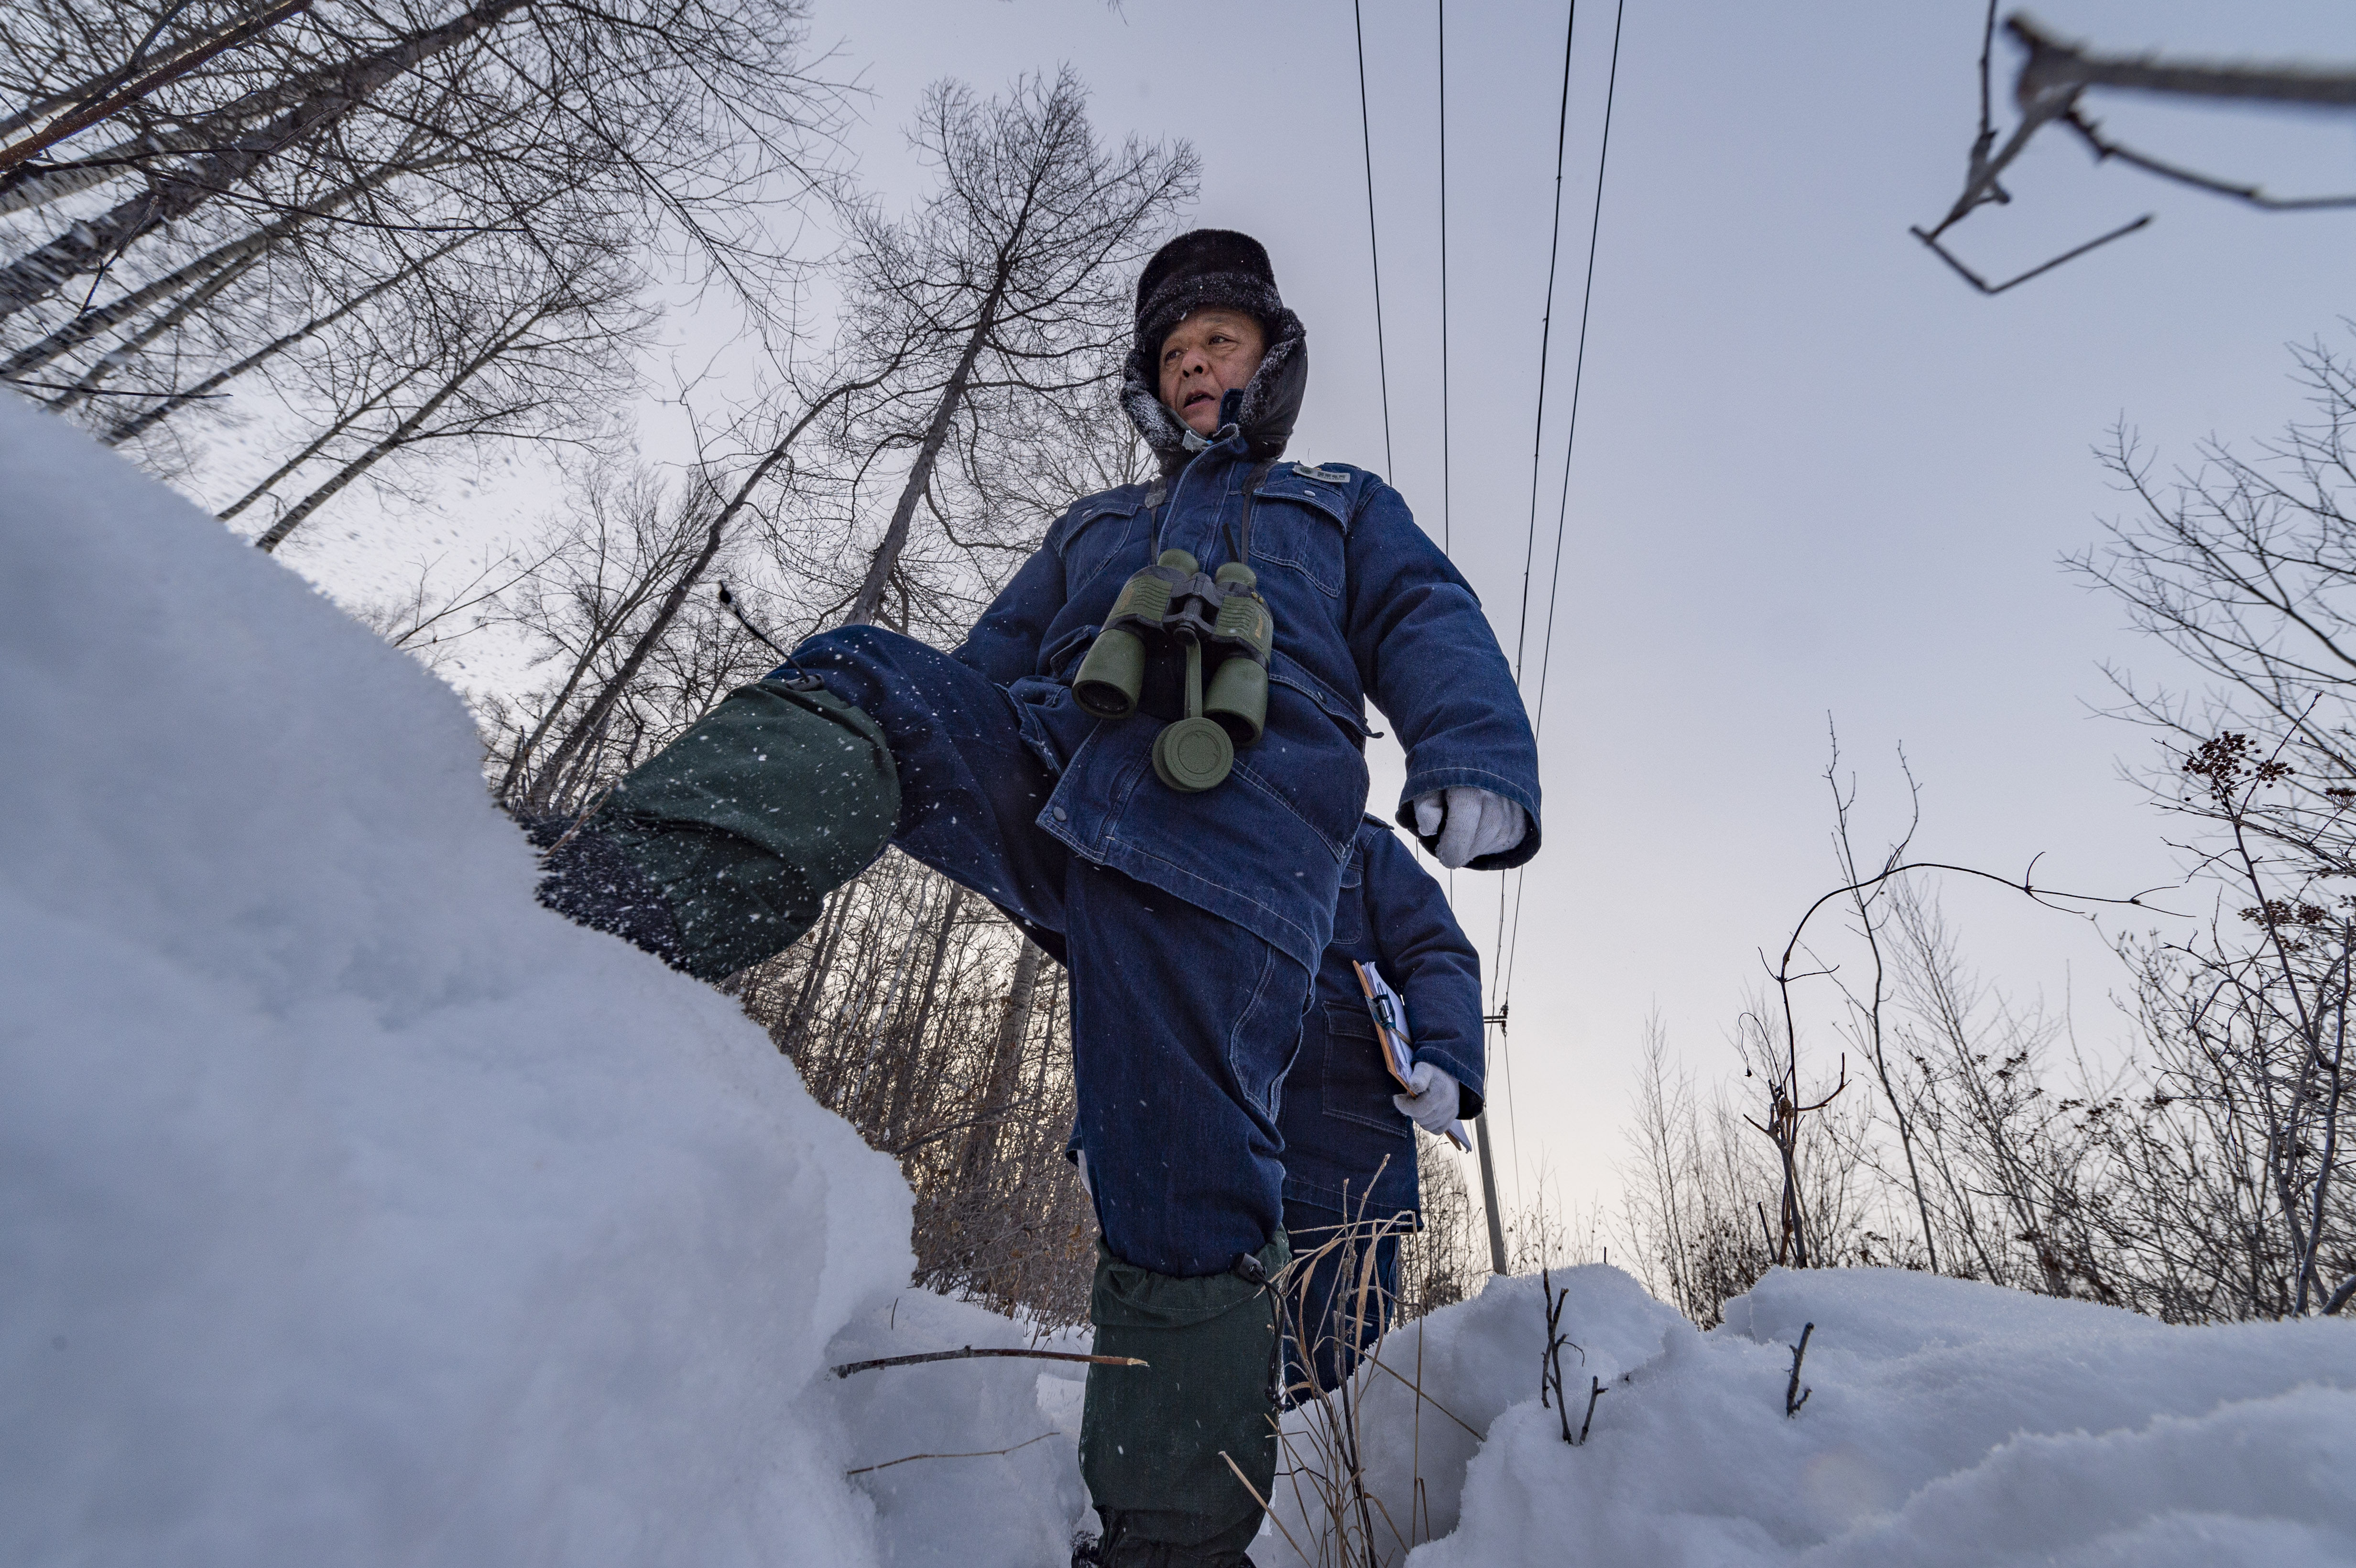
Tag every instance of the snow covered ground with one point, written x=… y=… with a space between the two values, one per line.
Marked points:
x=1946 y=1424
x=353 y=1210
x=1949 y=1424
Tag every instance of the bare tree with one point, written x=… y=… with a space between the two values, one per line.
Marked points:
x=536 y=365
x=1445 y=1259
x=250 y=195
x=683 y=112
x=1694 y=1203
x=1000 y=301
x=719 y=512
x=2201 y=1180
x=430 y=619
x=621 y=548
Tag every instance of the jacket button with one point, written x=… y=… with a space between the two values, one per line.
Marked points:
x=1058 y=813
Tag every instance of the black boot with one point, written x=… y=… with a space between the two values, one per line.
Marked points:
x=1121 y=1546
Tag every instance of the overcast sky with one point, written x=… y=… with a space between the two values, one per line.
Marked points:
x=1816 y=477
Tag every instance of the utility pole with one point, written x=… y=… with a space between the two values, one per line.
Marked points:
x=1489 y=1175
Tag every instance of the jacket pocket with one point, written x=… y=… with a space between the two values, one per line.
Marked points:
x=1051 y=723
x=1095 y=540
x=1283 y=671
x=1350 y=909
x=1295 y=525
x=1357 y=1085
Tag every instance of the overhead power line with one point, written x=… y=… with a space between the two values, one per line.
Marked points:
x=1373 y=244
x=1570 y=440
x=1500 y=990
x=1447 y=487
x=1578 y=360
x=1545 y=336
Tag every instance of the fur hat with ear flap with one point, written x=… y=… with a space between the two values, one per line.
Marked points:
x=1205 y=266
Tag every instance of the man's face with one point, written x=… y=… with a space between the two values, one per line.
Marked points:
x=1206 y=356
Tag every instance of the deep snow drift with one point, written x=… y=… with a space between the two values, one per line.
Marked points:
x=354 y=1210
x=1949 y=1424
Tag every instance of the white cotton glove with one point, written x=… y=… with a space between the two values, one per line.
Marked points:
x=1470 y=823
x=1082 y=1161
x=1432 y=1106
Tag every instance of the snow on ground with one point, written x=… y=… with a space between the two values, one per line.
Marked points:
x=1475 y=1361
x=966 y=1504
x=1949 y=1424
x=354 y=1210
x=352 y=1207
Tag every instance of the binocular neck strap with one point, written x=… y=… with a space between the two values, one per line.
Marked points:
x=1252 y=482
x=1204 y=545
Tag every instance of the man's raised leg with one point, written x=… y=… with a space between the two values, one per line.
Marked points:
x=719 y=850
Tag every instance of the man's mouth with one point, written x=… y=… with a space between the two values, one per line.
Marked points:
x=1197 y=396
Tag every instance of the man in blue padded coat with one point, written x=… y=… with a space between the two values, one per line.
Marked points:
x=1191 y=918
x=1349 y=1140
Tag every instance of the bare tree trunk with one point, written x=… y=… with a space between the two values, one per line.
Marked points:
x=906 y=1082
x=32 y=113
x=87 y=324
x=25 y=189
x=114 y=359
x=796 y=1023
x=850 y=1107
x=125 y=430
x=931 y=987
x=196 y=53
x=886 y=557
x=402 y=433
x=1005 y=1064
x=89 y=246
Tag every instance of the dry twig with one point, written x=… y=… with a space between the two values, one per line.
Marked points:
x=983 y=1453
x=1795 y=1396
x=2053 y=78
x=969 y=1351
x=1595 y=1391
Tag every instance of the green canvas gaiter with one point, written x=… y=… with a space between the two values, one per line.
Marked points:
x=1150 y=1436
x=767 y=804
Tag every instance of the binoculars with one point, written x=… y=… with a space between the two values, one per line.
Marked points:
x=1218 y=620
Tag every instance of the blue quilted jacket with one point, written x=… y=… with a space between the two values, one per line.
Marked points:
x=1367 y=609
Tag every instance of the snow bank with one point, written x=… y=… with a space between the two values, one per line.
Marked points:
x=354 y=1210
x=352 y=1207
x=999 y=1484
x=1949 y=1424
x=1474 y=1363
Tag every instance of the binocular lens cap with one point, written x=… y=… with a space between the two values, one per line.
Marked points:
x=1192 y=755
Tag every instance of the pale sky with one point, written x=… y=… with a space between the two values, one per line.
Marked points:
x=1816 y=474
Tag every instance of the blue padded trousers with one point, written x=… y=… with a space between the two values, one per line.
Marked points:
x=1182 y=1023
